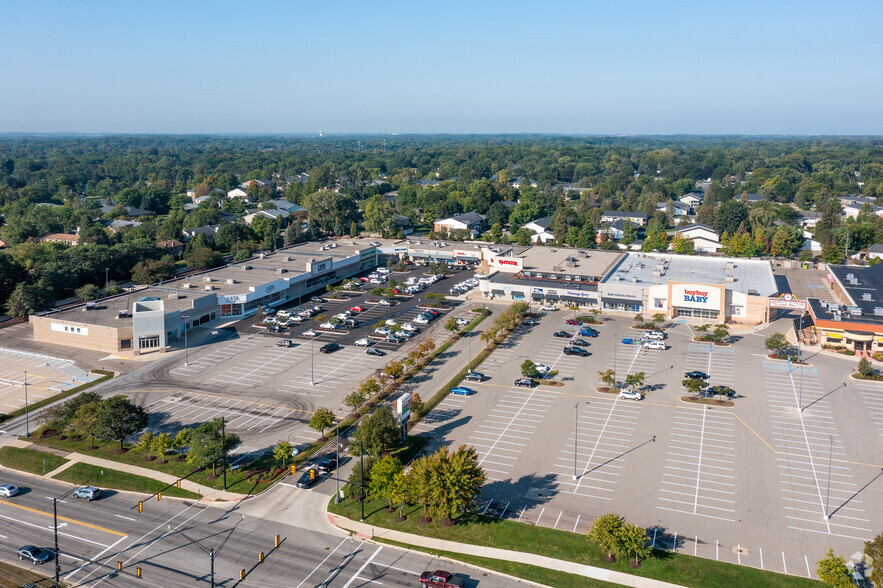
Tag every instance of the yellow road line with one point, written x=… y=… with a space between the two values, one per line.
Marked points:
x=755 y=433
x=74 y=521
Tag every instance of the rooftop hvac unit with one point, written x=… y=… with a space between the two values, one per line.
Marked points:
x=281 y=270
x=729 y=265
x=173 y=296
x=854 y=310
x=187 y=286
x=245 y=268
x=123 y=314
x=730 y=279
x=878 y=310
x=657 y=274
x=850 y=276
x=209 y=288
x=231 y=281
x=867 y=297
x=209 y=279
x=634 y=280
x=837 y=316
x=287 y=258
x=567 y=278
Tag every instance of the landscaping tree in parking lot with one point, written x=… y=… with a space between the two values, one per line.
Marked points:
x=417 y=407
x=207 y=445
x=282 y=451
x=865 y=368
x=608 y=377
x=161 y=444
x=460 y=478
x=605 y=532
x=182 y=440
x=874 y=550
x=378 y=432
x=321 y=420
x=659 y=317
x=354 y=399
x=452 y=325
x=633 y=542
x=721 y=332
x=832 y=570
x=777 y=342
x=369 y=387
x=118 y=418
x=393 y=369
x=639 y=319
x=703 y=329
x=85 y=421
x=529 y=369
x=636 y=380
x=321 y=318
x=145 y=443
x=383 y=478
x=423 y=481
x=693 y=386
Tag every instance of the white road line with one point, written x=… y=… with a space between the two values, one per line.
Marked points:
x=576 y=523
x=127 y=518
x=699 y=464
x=364 y=565
x=307 y=577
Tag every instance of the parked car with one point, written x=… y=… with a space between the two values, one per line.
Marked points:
x=649 y=344
x=529 y=322
x=561 y=334
x=440 y=579
x=329 y=348
x=329 y=326
x=351 y=323
x=548 y=308
x=327 y=463
x=383 y=331
x=434 y=313
x=276 y=328
x=629 y=394
x=580 y=343
x=269 y=311
x=696 y=375
x=8 y=490
x=364 y=342
x=525 y=382
x=384 y=302
x=410 y=327
x=391 y=322
x=462 y=322
x=720 y=391
x=394 y=339
x=318 y=299
x=571 y=322
x=297 y=319
x=475 y=377
x=308 y=478
x=654 y=335
x=342 y=316
x=575 y=351
x=38 y=555
x=284 y=343
x=462 y=390
x=283 y=314
x=374 y=351
x=310 y=333
x=588 y=332
x=356 y=309
x=421 y=320
x=90 y=493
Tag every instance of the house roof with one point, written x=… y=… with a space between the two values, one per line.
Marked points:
x=206 y=230
x=625 y=214
x=509 y=203
x=875 y=248
x=695 y=227
x=465 y=217
x=170 y=243
x=543 y=223
x=62 y=237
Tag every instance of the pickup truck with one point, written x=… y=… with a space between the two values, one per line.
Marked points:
x=440 y=579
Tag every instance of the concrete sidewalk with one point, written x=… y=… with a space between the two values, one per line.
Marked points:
x=368 y=532
x=206 y=493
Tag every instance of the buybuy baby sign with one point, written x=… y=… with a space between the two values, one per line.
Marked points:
x=696 y=296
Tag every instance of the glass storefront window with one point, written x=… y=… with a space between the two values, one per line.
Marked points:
x=686 y=311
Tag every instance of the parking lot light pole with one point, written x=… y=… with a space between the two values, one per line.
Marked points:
x=800 y=394
x=575 y=430
x=828 y=493
x=312 y=373
x=224 y=451
x=337 y=467
x=27 y=416
x=186 y=319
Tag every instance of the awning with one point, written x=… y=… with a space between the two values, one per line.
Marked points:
x=858 y=336
x=498 y=293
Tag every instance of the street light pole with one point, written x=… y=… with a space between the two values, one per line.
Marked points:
x=828 y=494
x=106 y=278
x=186 y=319
x=800 y=396
x=469 y=359
x=362 y=480
x=312 y=373
x=27 y=416
x=224 y=452
x=575 y=430
x=212 y=555
x=337 y=467
x=55 y=521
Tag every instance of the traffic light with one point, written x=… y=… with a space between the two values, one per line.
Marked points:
x=241 y=574
x=293 y=468
x=177 y=483
x=119 y=565
x=261 y=557
x=140 y=506
x=159 y=496
x=276 y=541
x=137 y=572
x=312 y=474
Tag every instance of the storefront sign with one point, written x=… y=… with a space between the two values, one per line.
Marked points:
x=537 y=290
x=552 y=292
x=403 y=407
x=579 y=294
x=513 y=264
x=696 y=296
x=617 y=291
x=787 y=301
x=320 y=266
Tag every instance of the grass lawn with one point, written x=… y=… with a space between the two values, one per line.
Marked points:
x=13 y=577
x=28 y=460
x=179 y=469
x=519 y=570
x=662 y=565
x=80 y=472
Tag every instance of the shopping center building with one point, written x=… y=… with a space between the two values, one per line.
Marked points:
x=855 y=321
x=149 y=319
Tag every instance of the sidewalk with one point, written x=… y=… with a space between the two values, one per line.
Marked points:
x=207 y=493
x=368 y=532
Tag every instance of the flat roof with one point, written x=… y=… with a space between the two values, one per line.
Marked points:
x=106 y=311
x=749 y=274
x=584 y=262
x=864 y=286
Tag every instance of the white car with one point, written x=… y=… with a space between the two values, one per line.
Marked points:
x=375 y=281
x=385 y=302
x=548 y=308
x=629 y=394
x=410 y=327
x=410 y=281
x=382 y=270
x=283 y=314
x=391 y=323
x=297 y=319
x=421 y=321
x=342 y=316
x=373 y=276
x=654 y=345
x=382 y=331
x=331 y=326
x=310 y=333
x=462 y=322
x=364 y=342
x=8 y=490
x=654 y=335
x=542 y=369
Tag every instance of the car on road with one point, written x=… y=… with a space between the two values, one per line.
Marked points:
x=374 y=351
x=696 y=375
x=629 y=394
x=355 y=309
x=440 y=579
x=308 y=478
x=580 y=343
x=326 y=464
x=310 y=333
x=364 y=342
x=462 y=390
x=37 y=555
x=525 y=382
x=329 y=348
x=561 y=334
x=548 y=308
x=317 y=299
x=475 y=377
x=569 y=350
x=90 y=493
x=285 y=343
x=8 y=490
x=649 y=344
x=654 y=335
x=588 y=332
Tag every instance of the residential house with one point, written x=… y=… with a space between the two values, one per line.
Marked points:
x=237 y=193
x=540 y=228
x=131 y=211
x=404 y=223
x=617 y=229
x=705 y=239
x=875 y=251
x=173 y=246
x=679 y=209
x=119 y=224
x=749 y=198
x=856 y=199
x=257 y=183
x=471 y=221
x=65 y=238
x=280 y=216
x=809 y=218
x=611 y=216
x=852 y=210
x=280 y=204
x=209 y=231
x=702 y=185
x=691 y=199
x=811 y=244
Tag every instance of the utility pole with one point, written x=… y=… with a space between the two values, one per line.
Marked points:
x=224 y=453
x=27 y=416
x=828 y=496
x=362 y=480
x=212 y=555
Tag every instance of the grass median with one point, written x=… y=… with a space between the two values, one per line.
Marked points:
x=30 y=461
x=117 y=480
x=13 y=577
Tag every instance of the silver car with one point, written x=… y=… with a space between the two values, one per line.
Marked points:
x=90 y=493
x=8 y=490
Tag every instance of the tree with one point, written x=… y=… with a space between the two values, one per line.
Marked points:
x=354 y=399
x=145 y=443
x=354 y=229
x=833 y=571
x=720 y=332
x=529 y=369
x=452 y=325
x=321 y=420
x=26 y=299
x=357 y=484
x=692 y=385
x=729 y=216
x=636 y=379
x=659 y=317
x=378 y=432
x=208 y=445
x=182 y=440
x=639 y=319
x=865 y=368
x=605 y=531
x=87 y=292
x=417 y=407
x=655 y=241
x=282 y=451
x=633 y=542
x=460 y=479
x=683 y=245
x=394 y=369
x=118 y=418
x=874 y=551
x=383 y=478
x=85 y=421
x=203 y=258
x=777 y=342
x=161 y=444
x=608 y=377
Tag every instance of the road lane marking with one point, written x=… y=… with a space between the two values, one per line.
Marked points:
x=127 y=518
x=364 y=565
x=74 y=521
x=28 y=524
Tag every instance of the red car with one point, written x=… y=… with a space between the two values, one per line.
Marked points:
x=364 y=279
x=571 y=322
x=356 y=309
x=440 y=579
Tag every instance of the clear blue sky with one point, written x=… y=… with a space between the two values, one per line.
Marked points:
x=591 y=66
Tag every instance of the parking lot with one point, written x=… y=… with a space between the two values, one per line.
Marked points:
x=747 y=484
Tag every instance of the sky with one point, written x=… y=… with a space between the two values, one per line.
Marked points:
x=583 y=67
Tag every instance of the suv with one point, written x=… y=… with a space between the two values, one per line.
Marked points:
x=629 y=394
x=654 y=345
x=655 y=335
x=327 y=464
x=284 y=343
x=525 y=382
x=570 y=350
x=440 y=579
x=329 y=348
x=588 y=332
x=475 y=377
x=90 y=493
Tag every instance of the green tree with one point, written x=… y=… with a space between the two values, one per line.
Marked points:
x=383 y=478
x=683 y=245
x=693 y=386
x=721 y=332
x=874 y=551
x=203 y=258
x=208 y=445
x=659 y=317
x=354 y=229
x=321 y=420
x=182 y=439
x=354 y=399
x=655 y=241
x=635 y=380
x=85 y=421
x=865 y=368
x=729 y=216
x=162 y=443
x=359 y=486
x=393 y=369
x=529 y=369
x=777 y=342
x=87 y=292
x=833 y=571
x=26 y=299
x=118 y=418
x=417 y=407
x=605 y=531
x=145 y=443
x=460 y=477
x=452 y=325
x=378 y=432
x=608 y=377
x=282 y=451
x=633 y=542
x=639 y=319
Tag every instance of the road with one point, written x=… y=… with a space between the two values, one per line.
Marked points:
x=171 y=541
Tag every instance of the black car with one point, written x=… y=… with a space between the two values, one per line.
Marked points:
x=720 y=391
x=351 y=323
x=580 y=343
x=317 y=299
x=561 y=334
x=696 y=375
x=327 y=464
x=37 y=555
x=525 y=382
x=329 y=348
x=308 y=478
x=275 y=329
x=373 y=351
x=576 y=351
x=475 y=377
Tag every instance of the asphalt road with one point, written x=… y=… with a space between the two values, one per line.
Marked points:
x=171 y=541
